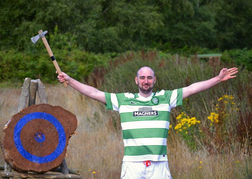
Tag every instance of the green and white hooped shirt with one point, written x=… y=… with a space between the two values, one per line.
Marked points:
x=145 y=122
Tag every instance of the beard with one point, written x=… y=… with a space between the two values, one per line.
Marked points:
x=145 y=91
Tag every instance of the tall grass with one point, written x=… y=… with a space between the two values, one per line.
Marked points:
x=97 y=148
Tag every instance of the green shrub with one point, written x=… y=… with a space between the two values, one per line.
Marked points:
x=16 y=66
x=240 y=57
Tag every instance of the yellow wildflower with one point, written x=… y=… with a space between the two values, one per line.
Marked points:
x=225 y=96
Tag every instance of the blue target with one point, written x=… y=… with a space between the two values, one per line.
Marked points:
x=40 y=137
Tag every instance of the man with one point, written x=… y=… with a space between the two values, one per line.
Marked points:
x=145 y=119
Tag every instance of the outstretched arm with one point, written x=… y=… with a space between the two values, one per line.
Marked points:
x=225 y=74
x=82 y=88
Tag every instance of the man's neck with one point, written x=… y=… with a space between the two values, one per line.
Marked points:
x=145 y=95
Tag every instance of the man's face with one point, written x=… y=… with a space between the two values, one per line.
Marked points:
x=145 y=80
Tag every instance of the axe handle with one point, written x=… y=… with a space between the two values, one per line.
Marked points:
x=52 y=56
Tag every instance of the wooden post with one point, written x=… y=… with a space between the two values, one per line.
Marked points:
x=32 y=92
x=24 y=95
x=63 y=167
x=41 y=92
x=7 y=172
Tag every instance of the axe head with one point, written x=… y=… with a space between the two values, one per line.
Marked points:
x=37 y=37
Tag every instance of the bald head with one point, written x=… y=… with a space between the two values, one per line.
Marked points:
x=145 y=69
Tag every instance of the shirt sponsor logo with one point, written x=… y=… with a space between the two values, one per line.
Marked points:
x=145 y=113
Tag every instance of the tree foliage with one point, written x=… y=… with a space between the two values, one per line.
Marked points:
x=119 y=25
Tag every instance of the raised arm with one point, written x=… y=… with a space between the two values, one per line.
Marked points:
x=82 y=88
x=225 y=74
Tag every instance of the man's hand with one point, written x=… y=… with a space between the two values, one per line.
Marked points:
x=226 y=74
x=62 y=77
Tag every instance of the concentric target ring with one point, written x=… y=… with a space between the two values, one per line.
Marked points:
x=59 y=128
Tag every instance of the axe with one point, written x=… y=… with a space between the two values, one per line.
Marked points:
x=42 y=36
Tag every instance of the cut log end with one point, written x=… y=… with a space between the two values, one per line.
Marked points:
x=36 y=138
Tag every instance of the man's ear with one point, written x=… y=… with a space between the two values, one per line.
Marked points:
x=136 y=81
x=155 y=79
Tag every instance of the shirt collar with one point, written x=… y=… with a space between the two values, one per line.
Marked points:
x=142 y=98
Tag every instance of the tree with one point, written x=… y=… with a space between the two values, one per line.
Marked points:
x=187 y=23
x=233 y=24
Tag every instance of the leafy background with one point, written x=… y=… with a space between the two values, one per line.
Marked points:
x=103 y=43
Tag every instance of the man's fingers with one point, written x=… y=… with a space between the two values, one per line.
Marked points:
x=232 y=71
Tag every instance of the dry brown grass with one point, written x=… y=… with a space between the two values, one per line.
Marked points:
x=97 y=149
x=185 y=164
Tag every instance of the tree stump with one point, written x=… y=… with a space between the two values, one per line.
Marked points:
x=36 y=138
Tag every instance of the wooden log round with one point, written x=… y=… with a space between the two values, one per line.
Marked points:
x=36 y=138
